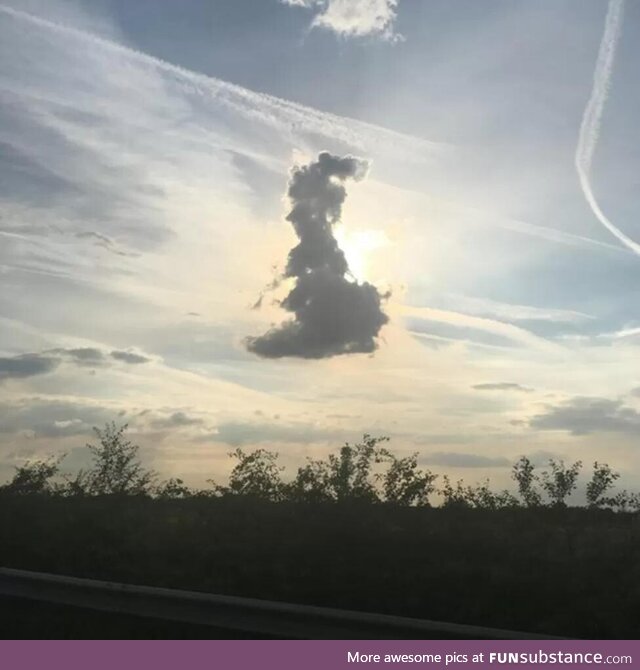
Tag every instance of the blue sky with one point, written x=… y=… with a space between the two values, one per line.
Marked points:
x=146 y=150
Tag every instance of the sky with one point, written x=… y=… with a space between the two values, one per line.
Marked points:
x=442 y=168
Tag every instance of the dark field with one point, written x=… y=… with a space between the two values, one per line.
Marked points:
x=571 y=572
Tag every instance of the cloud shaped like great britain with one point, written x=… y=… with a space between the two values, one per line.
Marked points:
x=333 y=313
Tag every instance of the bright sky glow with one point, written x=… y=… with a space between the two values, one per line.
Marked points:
x=145 y=155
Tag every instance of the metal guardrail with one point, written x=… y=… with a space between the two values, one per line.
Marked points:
x=261 y=617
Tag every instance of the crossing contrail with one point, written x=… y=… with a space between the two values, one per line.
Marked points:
x=592 y=118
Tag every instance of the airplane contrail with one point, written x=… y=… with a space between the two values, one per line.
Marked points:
x=354 y=132
x=592 y=117
x=274 y=110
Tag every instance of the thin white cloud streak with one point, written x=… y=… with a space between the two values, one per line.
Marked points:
x=629 y=332
x=507 y=330
x=250 y=104
x=484 y=307
x=290 y=118
x=592 y=118
x=554 y=235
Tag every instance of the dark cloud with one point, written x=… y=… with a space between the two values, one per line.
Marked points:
x=82 y=356
x=31 y=364
x=501 y=386
x=333 y=313
x=585 y=415
x=86 y=354
x=462 y=460
x=129 y=357
x=26 y=365
x=176 y=420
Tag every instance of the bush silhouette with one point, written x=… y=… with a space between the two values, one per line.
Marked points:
x=34 y=477
x=560 y=481
x=365 y=472
x=117 y=469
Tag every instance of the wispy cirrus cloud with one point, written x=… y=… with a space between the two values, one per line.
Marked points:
x=501 y=333
x=268 y=109
x=494 y=309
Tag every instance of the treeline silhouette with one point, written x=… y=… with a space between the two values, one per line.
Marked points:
x=362 y=529
x=366 y=471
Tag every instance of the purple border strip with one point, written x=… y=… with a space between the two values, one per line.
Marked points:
x=314 y=655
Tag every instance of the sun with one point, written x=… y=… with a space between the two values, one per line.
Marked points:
x=357 y=246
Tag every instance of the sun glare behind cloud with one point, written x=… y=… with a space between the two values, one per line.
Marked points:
x=358 y=246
